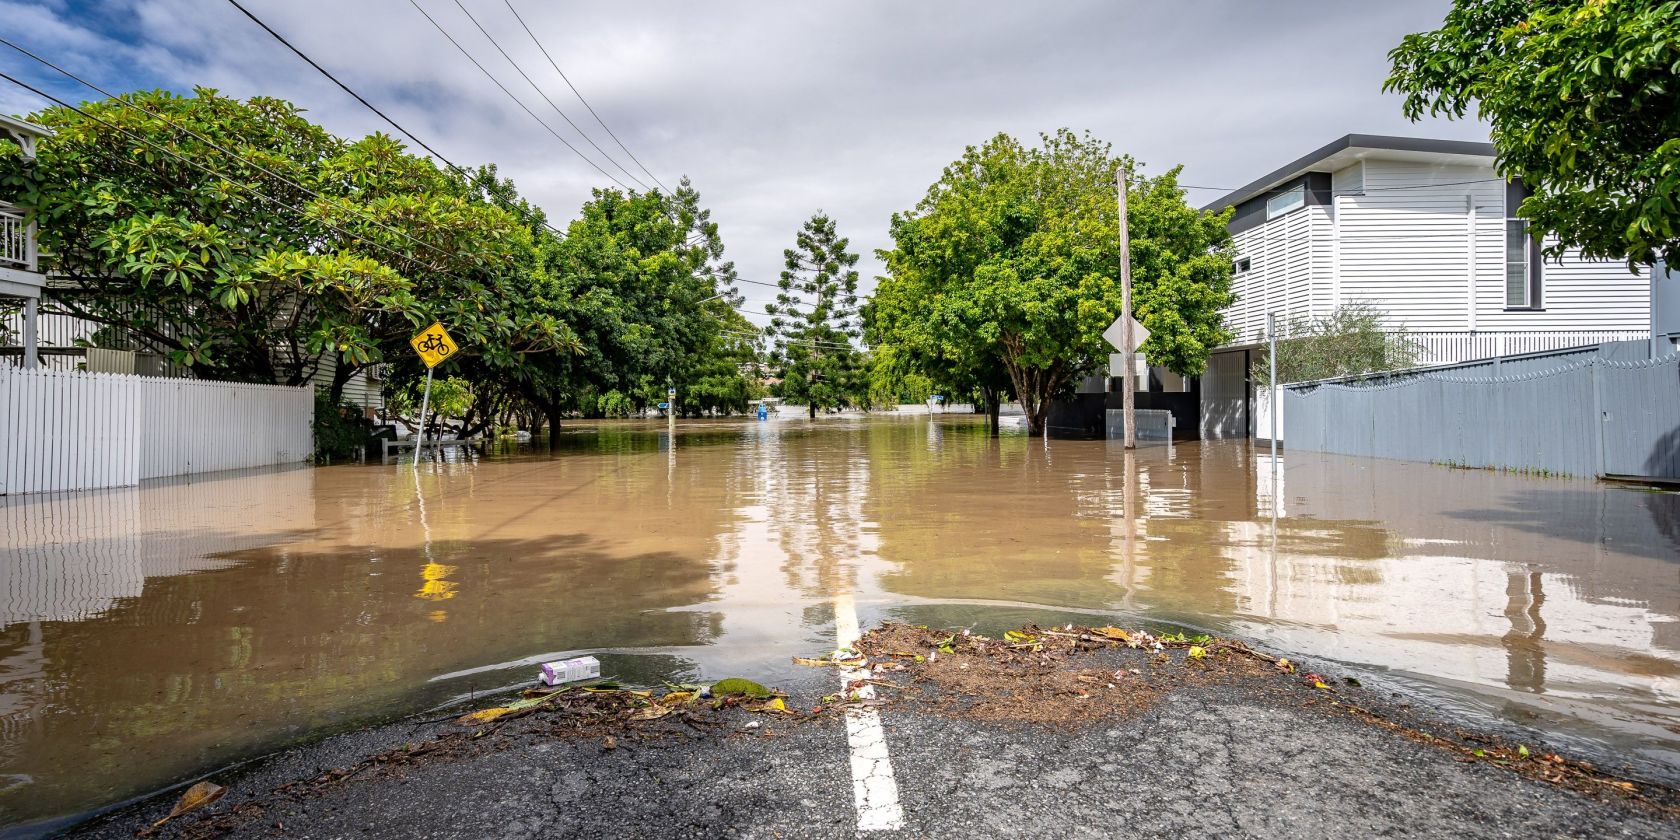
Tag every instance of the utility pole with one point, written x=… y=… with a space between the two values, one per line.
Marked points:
x=1127 y=387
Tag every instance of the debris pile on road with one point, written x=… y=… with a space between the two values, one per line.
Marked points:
x=1047 y=676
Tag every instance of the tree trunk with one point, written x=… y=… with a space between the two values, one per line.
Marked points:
x=552 y=412
x=469 y=427
x=993 y=407
x=813 y=408
x=341 y=378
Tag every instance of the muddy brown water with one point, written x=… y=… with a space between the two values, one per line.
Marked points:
x=149 y=634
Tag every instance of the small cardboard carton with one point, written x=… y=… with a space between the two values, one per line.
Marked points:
x=570 y=670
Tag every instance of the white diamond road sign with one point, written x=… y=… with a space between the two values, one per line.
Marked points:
x=1113 y=335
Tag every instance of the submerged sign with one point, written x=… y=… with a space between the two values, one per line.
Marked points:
x=433 y=344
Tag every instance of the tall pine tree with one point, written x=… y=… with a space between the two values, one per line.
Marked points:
x=815 y=319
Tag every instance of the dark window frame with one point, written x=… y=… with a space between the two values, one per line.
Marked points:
x=1515 y=192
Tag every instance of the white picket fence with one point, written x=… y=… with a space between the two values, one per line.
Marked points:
x=67 y=430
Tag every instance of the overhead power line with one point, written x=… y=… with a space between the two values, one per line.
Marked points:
x=503 y=88
x=579 y=94
x=539 y=90
x=472 y=179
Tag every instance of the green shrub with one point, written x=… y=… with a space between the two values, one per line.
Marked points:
x=615 y=404
x=341 y=431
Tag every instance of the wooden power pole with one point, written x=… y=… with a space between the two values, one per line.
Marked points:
x=1127 y=386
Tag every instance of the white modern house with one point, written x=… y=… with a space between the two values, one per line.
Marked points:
x=1425 y=232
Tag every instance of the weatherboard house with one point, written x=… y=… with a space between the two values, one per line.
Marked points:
x=20 y=270
x=1423 y=231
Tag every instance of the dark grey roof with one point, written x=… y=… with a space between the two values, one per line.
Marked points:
x=1352 y=141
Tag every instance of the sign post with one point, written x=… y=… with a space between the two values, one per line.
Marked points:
x=1126 y=335
x=434 y=345
x=1130 y=342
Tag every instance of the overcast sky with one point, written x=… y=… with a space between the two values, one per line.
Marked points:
x=774 y=109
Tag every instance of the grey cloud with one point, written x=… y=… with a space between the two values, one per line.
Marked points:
x=777 y=109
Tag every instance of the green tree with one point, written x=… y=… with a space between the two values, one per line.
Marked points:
x=1351 y=341
x=723 y=378
x=1583 y=99
x=247 y=243
x=815 y=318
x=1011 y=261
x=631 y=281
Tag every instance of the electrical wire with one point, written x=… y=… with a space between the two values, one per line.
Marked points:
x=539 y=90
x=471 y=179
x=579 y=95
x=522 y=106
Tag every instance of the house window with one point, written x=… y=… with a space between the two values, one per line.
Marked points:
x=1241 y=265
x=1284 y=202
x=1522 y=255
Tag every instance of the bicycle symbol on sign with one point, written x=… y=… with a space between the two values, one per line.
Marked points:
x=434 y=343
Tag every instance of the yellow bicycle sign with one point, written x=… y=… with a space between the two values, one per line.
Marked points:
x=433 y=344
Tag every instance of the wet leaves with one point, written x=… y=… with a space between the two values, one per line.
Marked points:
x=196 y=797
x=775 y=706
x=518 y=707
x=837 y=659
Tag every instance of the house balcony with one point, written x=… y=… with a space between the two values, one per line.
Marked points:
x=1449 y=347
x=17 y=238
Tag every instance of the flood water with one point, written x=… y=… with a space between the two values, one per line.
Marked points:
x=152 y=633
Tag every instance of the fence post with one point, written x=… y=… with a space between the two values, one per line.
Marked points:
x=1598 y=417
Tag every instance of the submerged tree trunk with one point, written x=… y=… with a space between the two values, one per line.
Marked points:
x=1033 y=385
x=551 y=411
x=993 y=407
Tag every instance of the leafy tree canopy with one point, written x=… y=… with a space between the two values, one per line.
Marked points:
x=249 y=244
x=1584 y=103
x=1012 y=260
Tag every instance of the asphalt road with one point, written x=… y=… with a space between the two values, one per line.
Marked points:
x=1206 y=761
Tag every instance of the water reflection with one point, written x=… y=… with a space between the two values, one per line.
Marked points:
x=149 y=633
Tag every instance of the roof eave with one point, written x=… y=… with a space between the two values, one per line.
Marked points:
x=1373 y=142
x=17 y=126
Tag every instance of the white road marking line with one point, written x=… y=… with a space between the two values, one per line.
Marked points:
x=873 y=785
